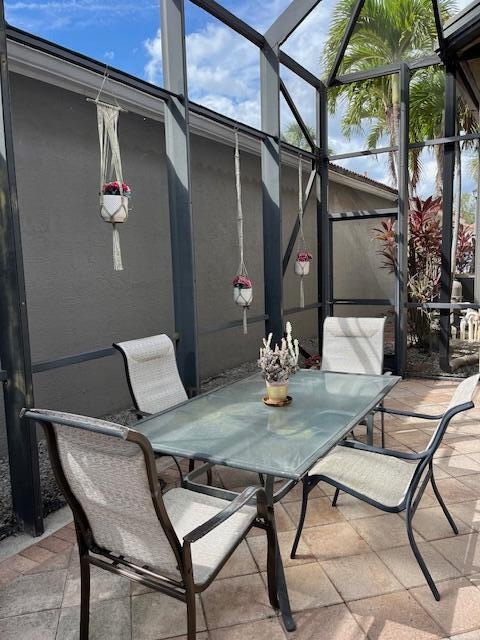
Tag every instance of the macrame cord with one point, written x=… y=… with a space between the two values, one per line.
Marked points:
x=302 y=246
x=111 y=168
x=242 y=269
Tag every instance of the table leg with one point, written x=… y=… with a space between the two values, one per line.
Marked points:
x=369 y=421
x=282 y=591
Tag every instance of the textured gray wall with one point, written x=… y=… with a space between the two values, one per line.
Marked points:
x=76 y=302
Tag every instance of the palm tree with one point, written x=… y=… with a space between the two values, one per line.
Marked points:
x=387 y=31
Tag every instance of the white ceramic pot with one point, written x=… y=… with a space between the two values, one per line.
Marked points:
x=242 y=296
x=302 y=267
x=277 y=391
x=113 y=208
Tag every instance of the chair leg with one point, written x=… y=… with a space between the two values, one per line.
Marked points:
x=271 y=562
x=335 y=497
x=382 y=424
x=306 y=491
x=84 y=596
x=418 y=556
x=191 y=616
x=442 y=503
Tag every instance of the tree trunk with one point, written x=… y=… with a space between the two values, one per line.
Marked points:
x=457 y=209
x=438 y=150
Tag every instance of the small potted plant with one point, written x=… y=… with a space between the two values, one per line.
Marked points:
x=302 y=263
x=242 y=291
x=278 y=364
x=114 y=201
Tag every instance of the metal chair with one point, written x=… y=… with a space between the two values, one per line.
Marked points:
x=355 y=345
x=153 y=380
x=392 y=481
x=175 y=543
x=152 y=374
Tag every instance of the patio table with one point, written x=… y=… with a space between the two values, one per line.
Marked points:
x=231 y=426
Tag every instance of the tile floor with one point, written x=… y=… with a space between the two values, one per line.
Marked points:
x=355 y=576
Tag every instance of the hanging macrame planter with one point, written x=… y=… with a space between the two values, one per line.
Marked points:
x=114 y=195
x=304 y=257
x=242 y=285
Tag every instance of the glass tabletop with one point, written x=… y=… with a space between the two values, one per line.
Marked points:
x=233 y=427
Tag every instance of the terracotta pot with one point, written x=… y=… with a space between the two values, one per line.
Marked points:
x=302 y=267
x=277 y=391
x=113 y=208
x=242 y=296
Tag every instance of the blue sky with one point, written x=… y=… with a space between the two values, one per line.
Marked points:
x=223 y=69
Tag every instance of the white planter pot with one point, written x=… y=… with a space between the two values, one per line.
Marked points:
x=242 y=297
x=113 y=208
x=302 y=268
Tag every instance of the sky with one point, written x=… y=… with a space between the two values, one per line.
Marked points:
x=223 y=68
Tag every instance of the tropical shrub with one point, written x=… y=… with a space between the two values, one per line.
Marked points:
x=424 y=260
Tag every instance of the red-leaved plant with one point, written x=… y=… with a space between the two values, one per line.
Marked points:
x=424 y=260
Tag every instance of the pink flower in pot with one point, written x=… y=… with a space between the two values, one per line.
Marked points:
x=242 y=290
x=302 y=263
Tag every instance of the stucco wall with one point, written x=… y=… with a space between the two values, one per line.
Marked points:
x=76 y=302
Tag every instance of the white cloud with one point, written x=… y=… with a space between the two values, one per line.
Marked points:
x=223 y=71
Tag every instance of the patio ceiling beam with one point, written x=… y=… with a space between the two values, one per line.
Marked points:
x=293 y=108
x=299 y=70
x=14 y=334
x=296 y=225
x=345 y=41
x=177 y=143
x=365 y=152
x=289 y=20
x=231 y=20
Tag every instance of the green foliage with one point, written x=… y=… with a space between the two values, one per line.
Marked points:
x=294 y=135
x=469 y=208
x=387 y=31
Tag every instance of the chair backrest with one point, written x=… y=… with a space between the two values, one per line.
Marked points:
x=152 y=373
x=107 y=474
x=353 y=345
x=462 y=400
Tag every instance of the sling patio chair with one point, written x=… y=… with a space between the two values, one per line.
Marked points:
x=392 y=481
x=153 y=379
x=175 y=543
x=355 y=345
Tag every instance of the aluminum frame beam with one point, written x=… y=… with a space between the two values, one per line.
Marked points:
x=289 y=20
x=401 y=294
x=177 y=142
x=450 y=124
x=293 y=108
x=14 y=335
x=352 y=23
x=231 y=20
x=271 y=191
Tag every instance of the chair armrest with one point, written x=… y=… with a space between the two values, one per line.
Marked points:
x=354 y=444
x=409 y=414
x=139 y=412
x=236 y=504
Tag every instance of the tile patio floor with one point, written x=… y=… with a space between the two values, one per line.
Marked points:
x=355 y=577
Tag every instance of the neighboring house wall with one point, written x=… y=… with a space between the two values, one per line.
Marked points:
x=76 y=302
